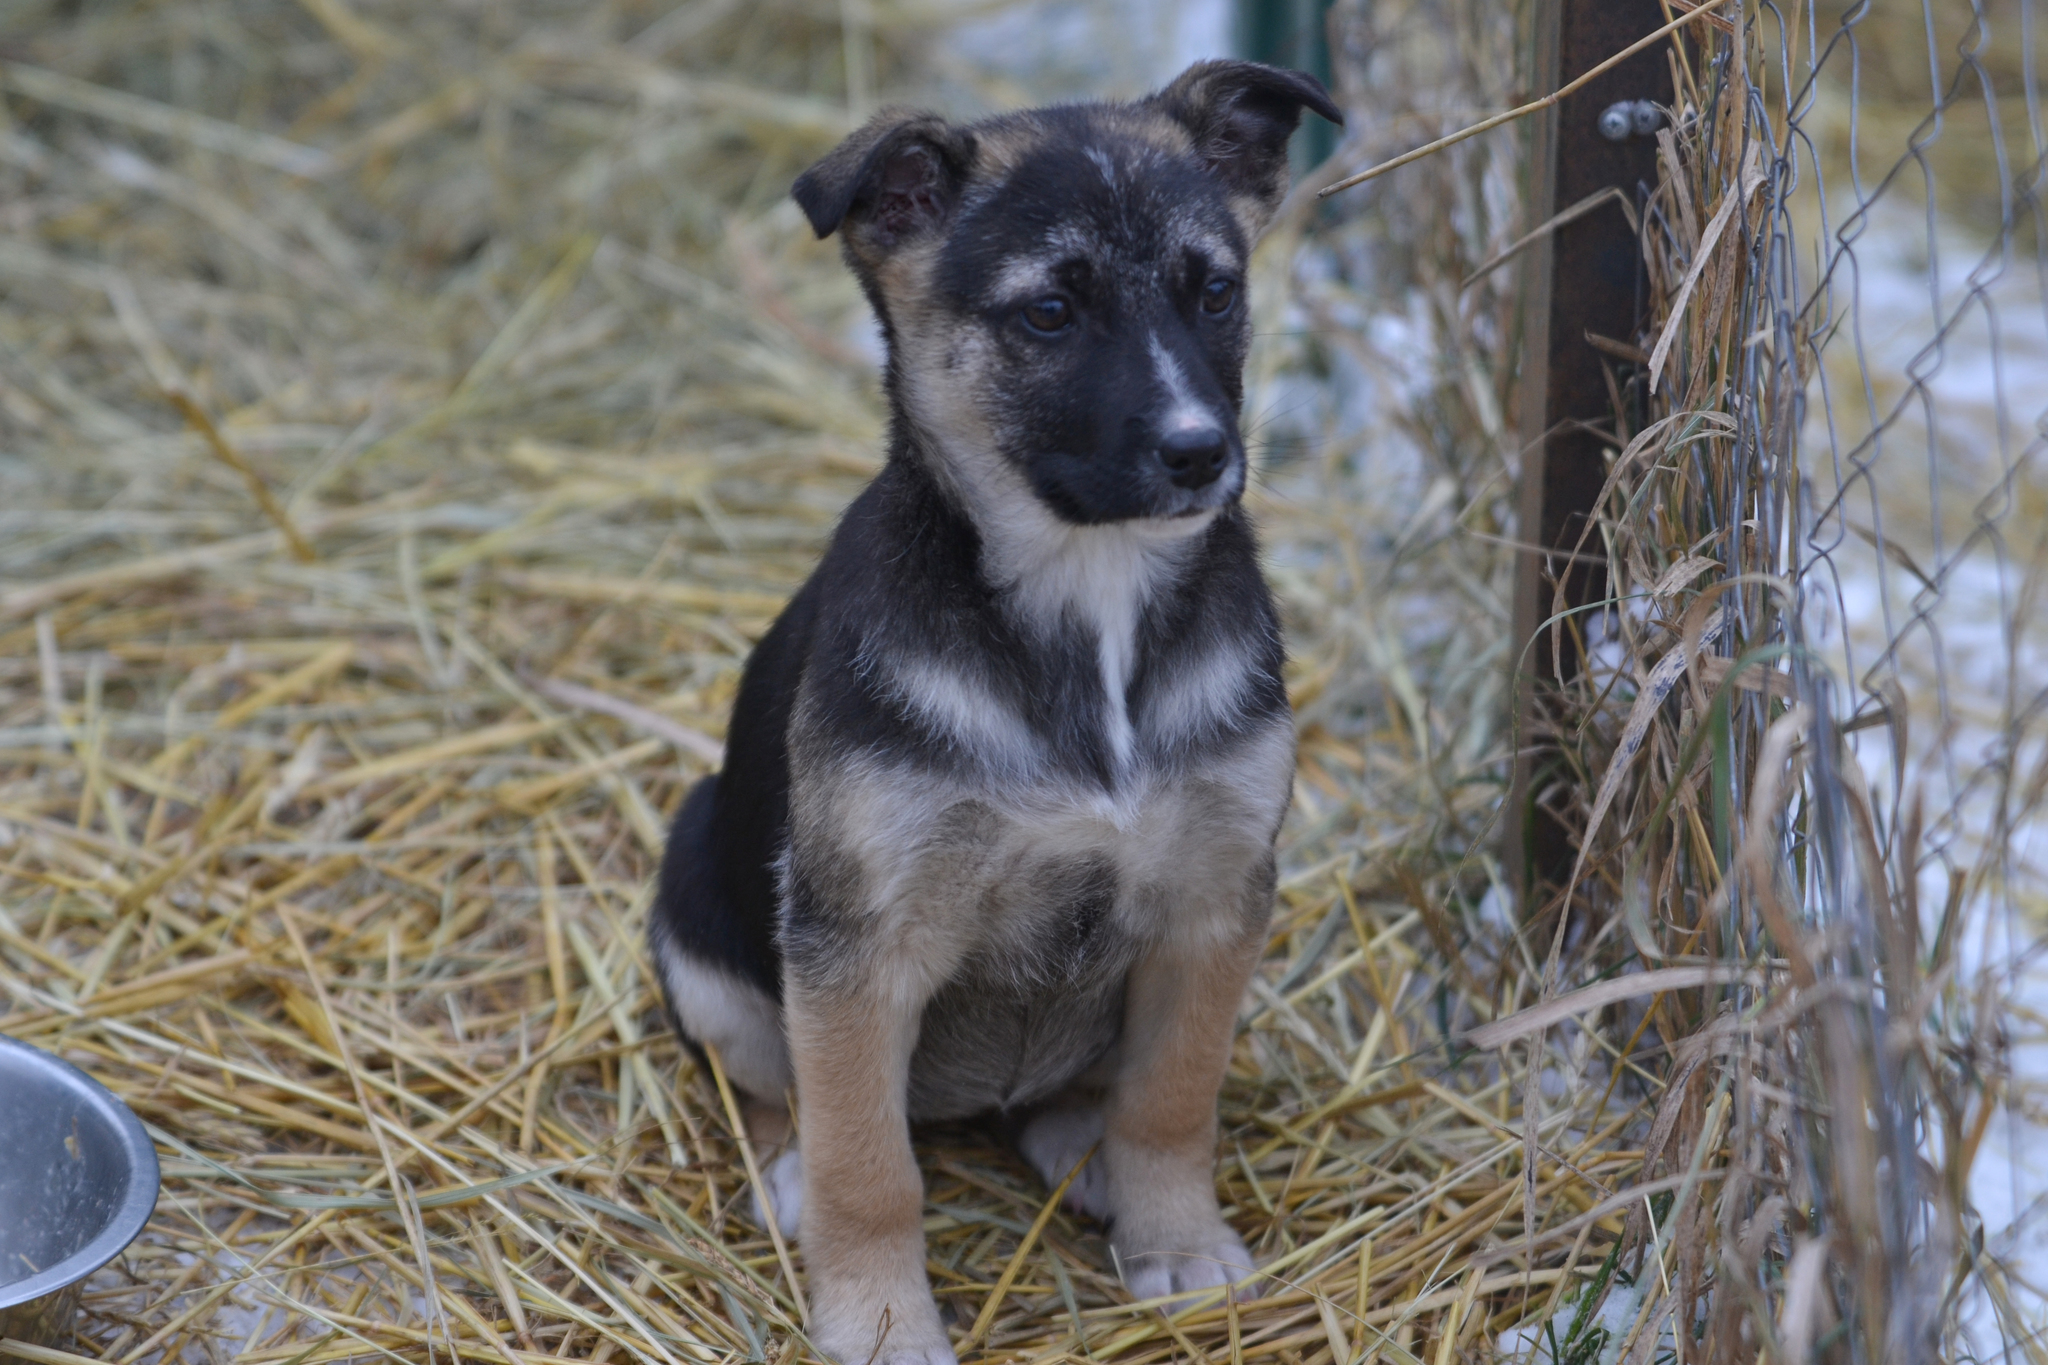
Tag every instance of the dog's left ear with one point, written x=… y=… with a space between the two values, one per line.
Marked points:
x=1241 y=115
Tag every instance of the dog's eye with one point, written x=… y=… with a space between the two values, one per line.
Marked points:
x=1050 y=314
x=1218 y=295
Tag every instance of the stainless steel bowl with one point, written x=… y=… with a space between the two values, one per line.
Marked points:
x=78 y=1179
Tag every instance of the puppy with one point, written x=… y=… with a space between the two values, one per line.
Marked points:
x=995 y=828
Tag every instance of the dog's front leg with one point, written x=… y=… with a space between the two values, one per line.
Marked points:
x=1159 y=1139
x=863 y=1199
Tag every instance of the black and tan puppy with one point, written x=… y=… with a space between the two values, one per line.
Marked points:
x=995 y=829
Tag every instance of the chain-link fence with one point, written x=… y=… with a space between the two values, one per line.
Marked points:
x=1801 y=736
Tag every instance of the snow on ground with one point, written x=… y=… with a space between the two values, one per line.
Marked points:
x=1965 y=449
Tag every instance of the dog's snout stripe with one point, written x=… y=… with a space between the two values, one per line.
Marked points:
x=1184 y=412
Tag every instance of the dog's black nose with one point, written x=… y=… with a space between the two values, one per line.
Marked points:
x=1193 y=458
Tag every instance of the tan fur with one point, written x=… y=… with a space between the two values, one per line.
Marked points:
x=1141 y=124
x=1183 y=847
x=1160 y=1139
x=863 y=1199
x=769 y=1126
x=1253 y=215
x=1000 y=151
x=905 y=280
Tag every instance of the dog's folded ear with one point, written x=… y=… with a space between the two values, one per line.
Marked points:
x=1240 y=115
x=895 y=179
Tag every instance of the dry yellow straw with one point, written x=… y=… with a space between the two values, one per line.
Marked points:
x=987 y=1316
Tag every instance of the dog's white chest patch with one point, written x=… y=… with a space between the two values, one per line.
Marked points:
x=1116 y=634
x=1057 y=575
x=1101 y=579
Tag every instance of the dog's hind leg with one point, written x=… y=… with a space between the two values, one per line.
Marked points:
x=711 y=971
x=1057 y=1137
x=715 y=1010
x=780 y=1194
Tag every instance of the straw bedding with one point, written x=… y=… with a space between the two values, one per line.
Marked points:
x=409 y=416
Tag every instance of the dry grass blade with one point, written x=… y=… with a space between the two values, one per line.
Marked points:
x=986 y=1318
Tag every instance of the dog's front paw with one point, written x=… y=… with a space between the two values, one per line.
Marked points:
x=1187 y=1265
x=784 y=1179
x=905 y=1334
x=1054 y=1140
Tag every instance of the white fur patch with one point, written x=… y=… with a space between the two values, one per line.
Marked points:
x=1177 y=845
x=1217 y=250
x=1036 y=273
x=1199 y=695
x=1099 y=576
x=1191 y=1274
x=1184 y=412
x=1022 y=276
x=780 y=1194
x=960 y=707
x=1056 y=1139
x=1262 y=772
x=732 y=1015
x=1103 y=164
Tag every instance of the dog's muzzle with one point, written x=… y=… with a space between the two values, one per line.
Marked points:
x=1195 y=458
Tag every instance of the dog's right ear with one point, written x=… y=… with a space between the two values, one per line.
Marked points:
x=896 y=179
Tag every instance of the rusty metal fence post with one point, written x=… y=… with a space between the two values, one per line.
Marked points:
x=1584 y=298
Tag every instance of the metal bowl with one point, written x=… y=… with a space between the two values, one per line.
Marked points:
x=78 y=1179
